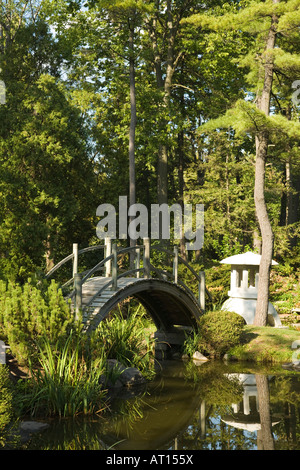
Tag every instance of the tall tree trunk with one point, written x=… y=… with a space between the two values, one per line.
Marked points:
x=132 y=185
x=132 y=190
x=180 y=143
x=164 y=84
x=262 y=140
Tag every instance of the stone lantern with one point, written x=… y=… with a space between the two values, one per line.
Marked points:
x=243 y=287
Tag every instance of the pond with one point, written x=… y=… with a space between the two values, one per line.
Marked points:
x=189 y=407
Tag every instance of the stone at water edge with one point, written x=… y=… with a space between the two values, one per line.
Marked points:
x=27 y=428
x=197 y=356
x=128 y=377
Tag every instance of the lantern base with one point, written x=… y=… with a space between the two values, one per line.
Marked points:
x=246 y=308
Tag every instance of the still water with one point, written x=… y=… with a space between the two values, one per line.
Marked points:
x=212 y=406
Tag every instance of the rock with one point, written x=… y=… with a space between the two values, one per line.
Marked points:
x=107 y=383
x=132 y=376
x=119 y=375
x=197 y=356
x=33 y=426
x=29 y=427
x=185 y=357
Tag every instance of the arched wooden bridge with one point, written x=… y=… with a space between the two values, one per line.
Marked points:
x=170 y=302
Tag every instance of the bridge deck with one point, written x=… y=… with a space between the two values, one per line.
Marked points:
x=90 y=289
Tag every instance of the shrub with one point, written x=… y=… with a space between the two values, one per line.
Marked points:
x=218 y=332
x=8 y=419
x=28 y=313
x=6 y=408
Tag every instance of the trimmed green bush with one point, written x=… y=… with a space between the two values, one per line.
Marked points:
x=218 y=332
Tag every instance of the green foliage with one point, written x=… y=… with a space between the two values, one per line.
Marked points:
x=6 y=406
x=127 y=340
x=8 y=416
x=44 y=162
x=66 y=380
x=218 y=332
x=285 y=290
x=66 y=384
x=28 y=313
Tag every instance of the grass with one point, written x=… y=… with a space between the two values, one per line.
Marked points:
x=266 y=344
x=65 y=384
x=67 y=381
x=128 y=340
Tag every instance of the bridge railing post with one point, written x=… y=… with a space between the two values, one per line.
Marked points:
x=107 y=253
x=78 y=294
x=146 y=259
x=138 y=261
x=75 y=259
x=114 y=267
x=175 y=264
x=201 y=290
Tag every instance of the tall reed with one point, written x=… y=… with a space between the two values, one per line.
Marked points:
x=128 y=340
x=66 y=384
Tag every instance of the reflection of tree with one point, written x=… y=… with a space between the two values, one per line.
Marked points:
x=285 y=401
x=218 y=392
x=265 y=439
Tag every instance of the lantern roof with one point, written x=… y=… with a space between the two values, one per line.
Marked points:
x=245 y=259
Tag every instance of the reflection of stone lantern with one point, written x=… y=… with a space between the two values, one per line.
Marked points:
x=246 y=416
x=243 y=287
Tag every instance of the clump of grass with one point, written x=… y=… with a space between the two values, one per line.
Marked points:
x=127 y=340
x=68 y=379
x=66 y=383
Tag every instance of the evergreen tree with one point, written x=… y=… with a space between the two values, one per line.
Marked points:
x=267 y=22
x=47 y=181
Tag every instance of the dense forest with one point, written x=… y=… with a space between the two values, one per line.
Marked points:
x=163 y=101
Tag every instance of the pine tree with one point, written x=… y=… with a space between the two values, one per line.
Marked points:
x=267 y=22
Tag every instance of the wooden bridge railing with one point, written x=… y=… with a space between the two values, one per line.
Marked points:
x=109 y=264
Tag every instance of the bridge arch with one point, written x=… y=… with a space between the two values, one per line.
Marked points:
x=168 y=300
x=167 y=303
